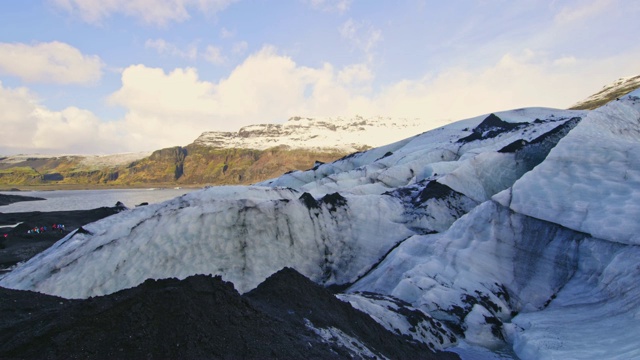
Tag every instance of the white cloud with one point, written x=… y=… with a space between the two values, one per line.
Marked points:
x=29 y=127
x=214 y=55
x=156 y=12
x=339 y=6
x=164 y=109
x=173 y=108
x=362 y=35
x=52 y=62
x=164 y=47
x=517 y=80
x=565 y=61
x=356 y=73
x=240 y=47
x=226 y=33
x=583 y=11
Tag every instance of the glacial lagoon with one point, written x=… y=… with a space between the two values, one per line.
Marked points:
x=63 y=200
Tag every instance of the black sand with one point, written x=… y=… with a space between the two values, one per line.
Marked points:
x=19 y=246
x=10 y=199
x=201 y=317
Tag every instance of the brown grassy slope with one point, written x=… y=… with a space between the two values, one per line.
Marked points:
x=206 y=165
x=190 y=165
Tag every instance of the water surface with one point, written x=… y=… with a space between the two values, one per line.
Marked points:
x=61 y=200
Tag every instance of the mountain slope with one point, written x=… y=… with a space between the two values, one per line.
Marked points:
x=190 y=165
x=608 y=93
x=252 y=154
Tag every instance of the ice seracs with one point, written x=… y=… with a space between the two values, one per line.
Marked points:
x=598 y=170
x=521 y=268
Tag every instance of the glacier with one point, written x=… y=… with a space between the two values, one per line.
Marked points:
x=516 y=230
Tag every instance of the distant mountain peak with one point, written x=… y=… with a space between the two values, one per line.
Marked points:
x=347 y=134
x=608 y=93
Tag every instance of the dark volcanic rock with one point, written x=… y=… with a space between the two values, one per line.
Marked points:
x=334 y=201
x=535 y=151
x=309 y=201
x=490 y=127
x=199 y=317
x=435 y=190
x=10 y=199
x=292 y=297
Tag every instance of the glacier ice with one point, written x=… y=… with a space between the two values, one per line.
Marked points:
x=597 y=169
x=242 y=233
x=516 y=229
x=520 y=267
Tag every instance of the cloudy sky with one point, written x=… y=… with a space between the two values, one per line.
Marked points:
x=112 y=76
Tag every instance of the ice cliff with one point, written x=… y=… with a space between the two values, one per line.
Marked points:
x=513 y=230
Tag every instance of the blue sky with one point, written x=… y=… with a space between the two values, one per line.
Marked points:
x=111 y=76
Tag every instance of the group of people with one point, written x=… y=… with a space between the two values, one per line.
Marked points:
x=42 y=229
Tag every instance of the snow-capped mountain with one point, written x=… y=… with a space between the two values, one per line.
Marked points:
x=515 y=232
x=99 y=161
x=320 y=134
x=609 y=92
x=253 y=154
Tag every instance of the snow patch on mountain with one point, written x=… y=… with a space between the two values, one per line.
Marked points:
x=474 y=277
x=594 y=315
x=112 y=160
x=320 y=134
x=86 y=160
x=474 y=168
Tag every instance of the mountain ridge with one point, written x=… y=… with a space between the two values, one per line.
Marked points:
x=609 y=92
x=319 y=134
